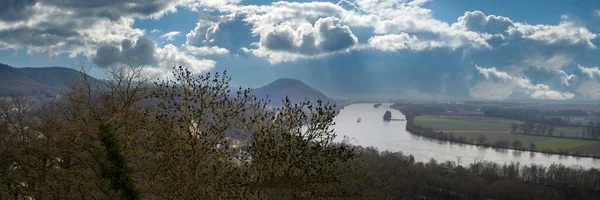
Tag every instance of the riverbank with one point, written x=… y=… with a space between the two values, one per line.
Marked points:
x=449 y=137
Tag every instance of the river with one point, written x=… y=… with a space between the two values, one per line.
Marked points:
x=392 y=136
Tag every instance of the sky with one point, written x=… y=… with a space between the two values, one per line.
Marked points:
x=470 y=49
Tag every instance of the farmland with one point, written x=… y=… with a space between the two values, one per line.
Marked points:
x=461 y=123
x=496 y=129
x=569 y=131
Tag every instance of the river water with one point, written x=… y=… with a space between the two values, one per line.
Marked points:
x=392 y=136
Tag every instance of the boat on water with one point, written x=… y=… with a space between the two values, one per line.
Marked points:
x=358 y=120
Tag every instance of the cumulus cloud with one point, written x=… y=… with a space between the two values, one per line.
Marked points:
x=477 y=21
x=157 y=61
x=290 y=30
x=538 y=48
x=327 y=35
x=502 y=84
x=114 y=10
x=407 y=39
x=591 y=72
x=54 y=27
x=568 y=31
x=140 y=53
x=170 y=56
x=170 y=36
x=226 y=31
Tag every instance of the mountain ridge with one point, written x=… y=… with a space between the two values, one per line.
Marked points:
x=45 y=81
x=295 y=89
x=48 y=81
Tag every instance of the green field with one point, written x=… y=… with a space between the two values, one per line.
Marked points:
x=557 y=144
x=497 y=130
x=448 y=123
x=568 y=131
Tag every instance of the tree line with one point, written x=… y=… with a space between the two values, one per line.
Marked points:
x=592 y=131
x=134 y=138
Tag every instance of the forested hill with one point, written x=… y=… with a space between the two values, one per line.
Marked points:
x=36 y=81
x=296 y=91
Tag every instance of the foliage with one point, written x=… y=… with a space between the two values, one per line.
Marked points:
x=128 y=139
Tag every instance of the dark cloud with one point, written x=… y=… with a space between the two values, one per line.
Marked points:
x=477 y=21
x=333 y=36
x=140 y=53
x=15 y=10
x=54 y=27
x=282 y=39
x=113 y=9
x=107 y=55
x=40 y=39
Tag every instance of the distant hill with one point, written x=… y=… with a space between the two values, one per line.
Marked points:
x=296 y=91
x=36 y=81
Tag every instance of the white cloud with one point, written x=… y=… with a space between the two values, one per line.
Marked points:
x=592 y=72
x=155 y=31
x=522 y=45
x=170 y=36
x=553 y=62
x=493 y=73
x=394 y=42
x=566 y=78
x=418 y=2
x=212 y=4
x=567 y=32
x=170 y=56
x=479 y=22
x=205 y=29
x=501 y=82
x=202 y=51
